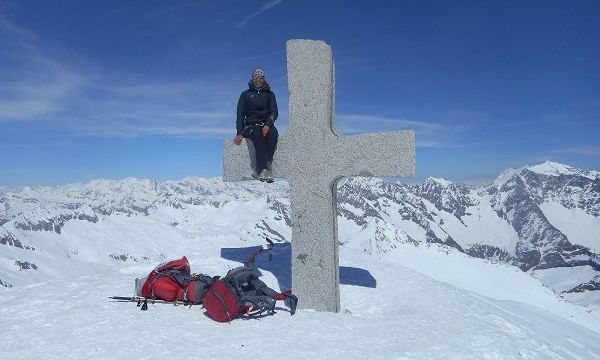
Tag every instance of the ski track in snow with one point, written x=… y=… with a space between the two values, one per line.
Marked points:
x=407 y=316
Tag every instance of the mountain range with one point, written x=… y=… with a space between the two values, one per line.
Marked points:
x=542 y=219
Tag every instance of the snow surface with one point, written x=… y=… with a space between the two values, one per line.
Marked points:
x=589 y=299
x=562 y=279
x=401 y=298
x=580 y=227
x=482 y=226
x=406 y=316
x=498 y=281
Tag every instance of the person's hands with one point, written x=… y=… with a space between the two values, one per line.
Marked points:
x=238 y=139
x=265 y=130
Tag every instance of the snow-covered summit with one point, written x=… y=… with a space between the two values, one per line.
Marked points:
x=547 y=168
x=440 y=181
x=551 y=168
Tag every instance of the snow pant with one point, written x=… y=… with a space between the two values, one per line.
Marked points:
x=264 y=146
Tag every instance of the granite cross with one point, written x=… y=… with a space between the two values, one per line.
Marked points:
x=312 y=158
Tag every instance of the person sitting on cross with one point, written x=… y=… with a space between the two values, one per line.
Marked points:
x=256 y=115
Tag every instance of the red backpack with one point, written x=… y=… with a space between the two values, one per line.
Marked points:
x=172 y=281
x=166 y=281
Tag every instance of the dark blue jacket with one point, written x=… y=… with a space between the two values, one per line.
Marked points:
x=256 y=105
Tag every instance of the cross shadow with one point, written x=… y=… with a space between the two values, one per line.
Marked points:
x=281 y=266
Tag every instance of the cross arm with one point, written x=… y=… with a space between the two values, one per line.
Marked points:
x=238 y=160
x=382 y=154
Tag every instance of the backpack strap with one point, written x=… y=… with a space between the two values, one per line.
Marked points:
x=250 y=262
x=260 y=306
x=262 y=288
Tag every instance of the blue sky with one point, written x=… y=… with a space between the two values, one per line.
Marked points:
x=112 y=89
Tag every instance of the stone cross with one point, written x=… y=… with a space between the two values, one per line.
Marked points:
x=312 y=158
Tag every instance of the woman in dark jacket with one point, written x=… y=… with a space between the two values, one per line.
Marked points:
x=256 y=114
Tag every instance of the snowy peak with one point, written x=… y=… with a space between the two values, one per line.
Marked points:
x=546 y=169
x=446 y=196
x=437 y=181
x=504 y=177
x=551 y=181
x=551 y=168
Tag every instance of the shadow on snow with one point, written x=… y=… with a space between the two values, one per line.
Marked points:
x=281 y=267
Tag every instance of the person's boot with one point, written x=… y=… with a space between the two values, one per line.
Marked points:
x=270 y=178
x=270 y=169
x=256 y=175
x=265 y=175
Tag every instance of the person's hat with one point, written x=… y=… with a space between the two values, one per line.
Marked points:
x=258 y=72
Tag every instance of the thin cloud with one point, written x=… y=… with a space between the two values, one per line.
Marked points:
x=252 y=58
x=13 y=146
x=477 y=181
x=428 y=134
x=14 y=30
x=35 y=98
x=400 y=123
x=265 y=7
x=116 y=123
x=33 y=85
x=71 y=100
x=192 y=109
x=582 y=150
